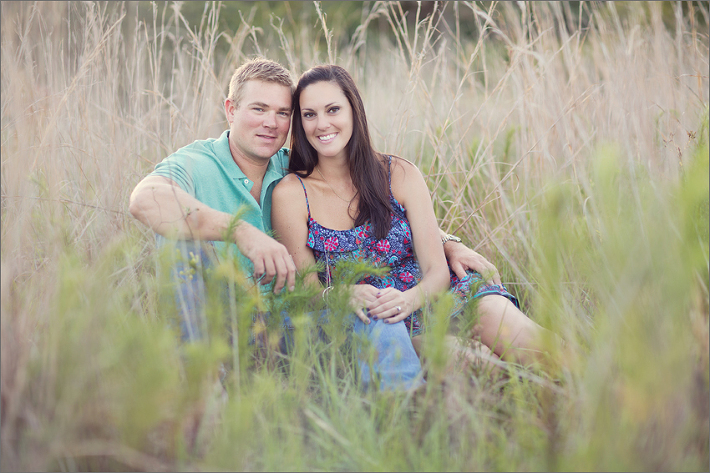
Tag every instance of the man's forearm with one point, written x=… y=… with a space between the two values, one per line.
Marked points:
x=169 y=211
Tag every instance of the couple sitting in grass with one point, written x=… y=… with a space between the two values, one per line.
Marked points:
x=340 y=201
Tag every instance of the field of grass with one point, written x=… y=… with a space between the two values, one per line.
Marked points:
x=568 y=143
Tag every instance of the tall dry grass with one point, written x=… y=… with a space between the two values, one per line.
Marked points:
x=570 y=150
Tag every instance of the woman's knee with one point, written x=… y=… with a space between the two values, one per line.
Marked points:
x=500 y=319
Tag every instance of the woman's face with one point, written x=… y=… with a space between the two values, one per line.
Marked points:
x=327 y=119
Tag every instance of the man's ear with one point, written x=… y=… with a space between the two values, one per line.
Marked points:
x=229 y=109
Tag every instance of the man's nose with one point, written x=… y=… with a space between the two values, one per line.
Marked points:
x=270 y=120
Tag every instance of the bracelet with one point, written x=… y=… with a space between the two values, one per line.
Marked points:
x=450 y=237
x=325 y=292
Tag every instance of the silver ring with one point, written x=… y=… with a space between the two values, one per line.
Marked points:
x=399 y=309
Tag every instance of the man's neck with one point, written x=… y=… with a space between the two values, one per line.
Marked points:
x=254 y=169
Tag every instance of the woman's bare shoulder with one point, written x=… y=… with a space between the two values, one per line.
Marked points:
x=288 y=187
x=400 y=161
x=403 y=169
x=290 y=180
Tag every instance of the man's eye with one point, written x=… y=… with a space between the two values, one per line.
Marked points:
x=285 y=114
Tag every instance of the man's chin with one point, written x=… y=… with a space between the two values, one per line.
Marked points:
x=268 y=152
x=274 y=148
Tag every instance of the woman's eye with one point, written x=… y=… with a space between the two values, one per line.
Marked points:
x=308 y=115
x=334 y=109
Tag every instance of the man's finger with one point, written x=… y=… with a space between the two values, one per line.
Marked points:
x=291 y=273
x=496 y=278
x=489 y=276
x=492 y=275
x=280 y=276
x=258 y=269
x=458 y=269
x=269 y=271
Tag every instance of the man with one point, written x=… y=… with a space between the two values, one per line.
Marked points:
x=194 y=194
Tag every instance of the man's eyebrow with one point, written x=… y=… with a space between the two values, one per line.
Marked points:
x=266 y=105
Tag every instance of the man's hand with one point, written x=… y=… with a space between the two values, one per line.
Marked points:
x=461 y=258
x=169 y=211
x=270 y=257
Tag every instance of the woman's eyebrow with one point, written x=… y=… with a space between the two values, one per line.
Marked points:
x=326 y=106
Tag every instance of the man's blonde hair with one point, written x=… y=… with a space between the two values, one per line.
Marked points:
x=261 y=69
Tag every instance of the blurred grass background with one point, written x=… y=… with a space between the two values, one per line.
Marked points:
x=567 y=142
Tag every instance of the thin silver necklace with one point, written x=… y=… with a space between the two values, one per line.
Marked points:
x=331 y=187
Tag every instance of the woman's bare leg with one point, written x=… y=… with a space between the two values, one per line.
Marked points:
x=507 y=331
x=464 y=356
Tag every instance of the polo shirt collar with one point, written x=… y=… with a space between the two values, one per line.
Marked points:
x=271 y=172
x=225 y=155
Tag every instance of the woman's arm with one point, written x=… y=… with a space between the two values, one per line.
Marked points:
x=289 y=220
x=410 y=189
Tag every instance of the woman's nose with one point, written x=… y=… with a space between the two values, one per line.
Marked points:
x=323 y=123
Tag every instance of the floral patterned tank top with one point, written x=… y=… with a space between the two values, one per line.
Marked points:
x=396 y=252
x=359 y=244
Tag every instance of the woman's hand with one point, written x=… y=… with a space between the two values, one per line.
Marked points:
x=392 y=305
x=362 y=296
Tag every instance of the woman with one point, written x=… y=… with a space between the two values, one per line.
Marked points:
x=345 y=201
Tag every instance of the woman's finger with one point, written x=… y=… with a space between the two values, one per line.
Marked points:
x=385 y=308
x=397 y=318
x=391 y=311
x=361 y=315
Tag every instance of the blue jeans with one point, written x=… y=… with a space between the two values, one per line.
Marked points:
x=391 y=361
x=395 y=363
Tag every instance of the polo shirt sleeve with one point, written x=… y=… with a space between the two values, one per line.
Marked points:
x=176 y=167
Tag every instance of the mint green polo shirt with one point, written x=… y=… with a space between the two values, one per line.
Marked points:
x=206 y=170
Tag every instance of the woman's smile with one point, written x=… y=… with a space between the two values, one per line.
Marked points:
x=327 y=137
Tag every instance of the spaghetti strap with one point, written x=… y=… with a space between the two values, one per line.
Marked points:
x=306 y=193
x=389 y=172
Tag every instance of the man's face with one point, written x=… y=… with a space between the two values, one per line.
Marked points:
x=258 y=126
